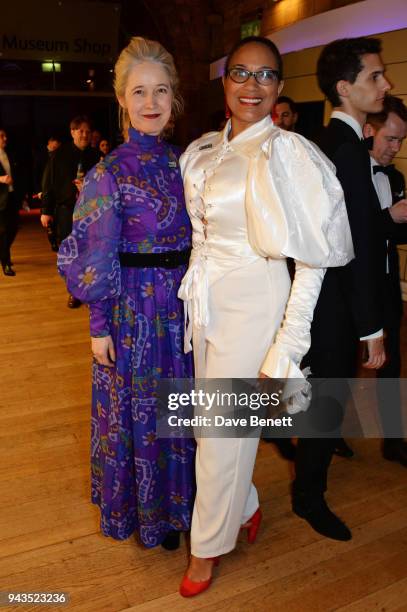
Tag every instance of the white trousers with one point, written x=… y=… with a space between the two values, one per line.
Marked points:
x=246 y=307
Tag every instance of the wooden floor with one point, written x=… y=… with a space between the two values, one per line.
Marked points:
x=49 y=532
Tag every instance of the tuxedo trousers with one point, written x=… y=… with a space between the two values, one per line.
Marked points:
x=314 y=455
x=246 y=307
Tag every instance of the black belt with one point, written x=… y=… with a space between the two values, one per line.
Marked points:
x=170 y=259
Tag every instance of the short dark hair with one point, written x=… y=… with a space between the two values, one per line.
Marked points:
x=77 y=121
x=262 y=41
x=391 y=104
x=341 y=60
x=289 y=101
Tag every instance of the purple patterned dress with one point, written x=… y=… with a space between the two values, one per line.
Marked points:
x=133 y=202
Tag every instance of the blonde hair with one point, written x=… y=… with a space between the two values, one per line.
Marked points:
x=141 y=50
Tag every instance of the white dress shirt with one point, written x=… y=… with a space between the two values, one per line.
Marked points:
x=382 y=185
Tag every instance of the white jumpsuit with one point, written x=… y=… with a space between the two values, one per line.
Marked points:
x=235 y=302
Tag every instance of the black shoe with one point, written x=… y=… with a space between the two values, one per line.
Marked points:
x=321 y=519
x=395 y=450
x=285 y=447
x=8 y=270
x=342 y=449
x=171 y=540
x=73 y=302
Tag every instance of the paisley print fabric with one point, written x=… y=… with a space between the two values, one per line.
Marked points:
x=133 y=202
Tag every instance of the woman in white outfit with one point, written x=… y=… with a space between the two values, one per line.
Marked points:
x=255 y=195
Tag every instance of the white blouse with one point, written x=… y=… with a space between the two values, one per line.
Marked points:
x=265 y=193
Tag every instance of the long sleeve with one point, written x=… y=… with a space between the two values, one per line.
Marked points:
x=295 y=204
x=397 y=232
x=100 y=315
x=293 y=338
x=88 y=258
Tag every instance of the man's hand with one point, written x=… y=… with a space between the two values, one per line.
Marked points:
x=46 y=220
x=103 y=350
x=376 y=354
x=398 y=211
x=6 y=179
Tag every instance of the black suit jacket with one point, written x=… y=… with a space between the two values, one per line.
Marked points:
x=57 y=184
x=350 y=304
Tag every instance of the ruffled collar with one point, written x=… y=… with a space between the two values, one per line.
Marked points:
x=145 y=140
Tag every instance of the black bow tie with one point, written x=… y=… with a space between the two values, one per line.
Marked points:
x=385 y=169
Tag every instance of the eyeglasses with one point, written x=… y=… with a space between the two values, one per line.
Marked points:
x=267 y=76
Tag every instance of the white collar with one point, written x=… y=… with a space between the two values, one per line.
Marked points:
x=250 y=140
x=351 y=121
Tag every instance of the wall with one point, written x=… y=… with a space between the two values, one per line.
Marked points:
x=279 y=15
x=275 y=15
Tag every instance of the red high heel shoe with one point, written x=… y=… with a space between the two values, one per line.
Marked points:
x=253 y=528
x=189 y=588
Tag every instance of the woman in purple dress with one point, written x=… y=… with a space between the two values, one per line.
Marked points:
x=126 y=257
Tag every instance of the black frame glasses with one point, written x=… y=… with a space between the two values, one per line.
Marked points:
x=265 y=76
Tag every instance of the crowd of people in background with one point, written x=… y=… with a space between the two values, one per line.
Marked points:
x=37 y=183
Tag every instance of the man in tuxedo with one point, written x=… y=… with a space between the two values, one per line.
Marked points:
x=349 y=309
x=8 y=207
x=387 y=131
x=63 y=179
